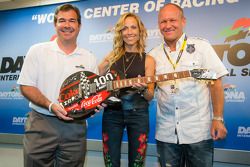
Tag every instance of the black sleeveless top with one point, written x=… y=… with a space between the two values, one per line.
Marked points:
x=131 y=65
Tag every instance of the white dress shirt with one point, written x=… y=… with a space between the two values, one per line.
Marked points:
x=46 y=66
x=184 y=113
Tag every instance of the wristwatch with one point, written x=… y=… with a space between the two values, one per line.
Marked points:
x=218 y=119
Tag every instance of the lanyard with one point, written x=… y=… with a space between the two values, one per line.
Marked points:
x=179 y=55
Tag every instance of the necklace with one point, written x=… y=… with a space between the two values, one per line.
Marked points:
x=125 y=69
x=128 y=58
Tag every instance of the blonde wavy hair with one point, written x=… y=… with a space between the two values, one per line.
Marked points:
x=118 y=43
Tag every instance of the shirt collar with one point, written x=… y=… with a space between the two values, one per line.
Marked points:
x=178 y=44
x=57 y=49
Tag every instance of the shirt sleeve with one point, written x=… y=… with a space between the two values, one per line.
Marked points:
x=29 y=71
x=212 y=61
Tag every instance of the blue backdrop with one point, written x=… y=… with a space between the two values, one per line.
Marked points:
x=225 y=23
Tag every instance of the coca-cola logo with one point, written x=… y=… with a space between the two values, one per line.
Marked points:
x=92 y=101
x=87 y=104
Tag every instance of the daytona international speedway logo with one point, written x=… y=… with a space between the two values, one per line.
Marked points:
x=19 y=120
x=232 y=94
x=109 y=34
x=14 y=93
x=236 y=47
x=239 y=30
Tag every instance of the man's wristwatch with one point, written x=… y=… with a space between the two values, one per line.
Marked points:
x=218 y=119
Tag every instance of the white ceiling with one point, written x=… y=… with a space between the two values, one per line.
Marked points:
x=15 y=4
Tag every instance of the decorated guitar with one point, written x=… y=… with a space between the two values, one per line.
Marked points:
x=83 y=91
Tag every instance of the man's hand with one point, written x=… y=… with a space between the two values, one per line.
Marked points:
x=218 y=130
x=59 y=111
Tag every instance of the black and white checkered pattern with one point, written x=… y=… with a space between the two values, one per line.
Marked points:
x=85 y=85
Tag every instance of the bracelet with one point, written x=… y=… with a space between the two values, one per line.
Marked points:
x=218 y=119
x=50 y=107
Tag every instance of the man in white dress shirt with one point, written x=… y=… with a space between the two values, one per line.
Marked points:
x=189 y=112
x=52 y=138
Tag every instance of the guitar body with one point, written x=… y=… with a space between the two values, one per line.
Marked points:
x=83 y=91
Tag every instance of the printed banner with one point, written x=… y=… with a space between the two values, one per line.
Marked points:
x=225 y=23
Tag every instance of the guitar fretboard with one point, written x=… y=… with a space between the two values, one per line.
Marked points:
x=118 y=84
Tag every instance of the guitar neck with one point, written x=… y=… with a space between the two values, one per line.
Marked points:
x=118 y=84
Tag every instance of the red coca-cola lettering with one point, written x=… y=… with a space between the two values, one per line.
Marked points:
x=89 y=103
x=95 y=100
x=92 y=101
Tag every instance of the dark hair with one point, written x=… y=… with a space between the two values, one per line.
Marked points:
x=65 y=8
